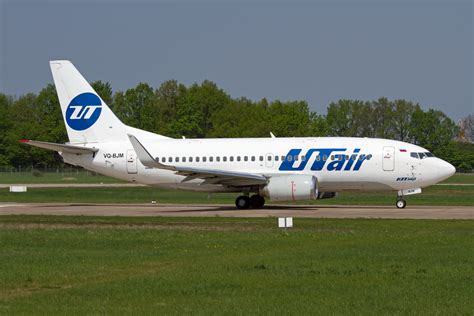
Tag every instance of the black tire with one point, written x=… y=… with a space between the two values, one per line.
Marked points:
x=242 y=202
x=401 y=203
x=257 y=201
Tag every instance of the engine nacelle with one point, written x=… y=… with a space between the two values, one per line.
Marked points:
x=291 y=188
x=326 y=195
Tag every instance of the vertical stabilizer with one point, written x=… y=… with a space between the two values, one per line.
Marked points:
x=88 y=119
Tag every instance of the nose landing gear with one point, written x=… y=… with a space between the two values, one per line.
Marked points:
x=244 y=202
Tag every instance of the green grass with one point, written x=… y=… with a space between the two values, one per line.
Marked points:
x=464 y=178
x=435 y=195
x=86 y=265
x=54 y=177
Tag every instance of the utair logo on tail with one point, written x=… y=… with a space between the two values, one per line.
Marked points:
x=83 y=111
x=338 y=159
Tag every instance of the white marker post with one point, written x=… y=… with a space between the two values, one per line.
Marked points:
x=285 y=222
x=18 y=188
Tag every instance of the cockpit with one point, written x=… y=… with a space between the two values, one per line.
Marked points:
x=421 y=155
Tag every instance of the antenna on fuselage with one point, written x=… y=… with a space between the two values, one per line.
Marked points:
x=271 y=135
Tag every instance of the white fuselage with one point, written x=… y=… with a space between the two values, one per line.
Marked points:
x=339 y=163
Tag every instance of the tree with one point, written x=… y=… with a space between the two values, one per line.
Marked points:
x=432 y=130
x=468 y=127
x=350 y=118
x=402 y=115
x=5 y=125
x=382 y=119
x=104 y=89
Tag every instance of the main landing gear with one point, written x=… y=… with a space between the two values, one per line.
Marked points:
x=244 y=202
x=401 y=203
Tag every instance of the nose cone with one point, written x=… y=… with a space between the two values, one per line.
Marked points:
x=445 y=170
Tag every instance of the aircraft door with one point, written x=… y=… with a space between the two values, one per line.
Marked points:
x=388 y=158
x=269 y=160
x=131 y=161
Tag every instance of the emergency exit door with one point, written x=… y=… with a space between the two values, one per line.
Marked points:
x=131 y=161
x=388 y=158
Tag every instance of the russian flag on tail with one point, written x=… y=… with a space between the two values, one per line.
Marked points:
x=403 y=150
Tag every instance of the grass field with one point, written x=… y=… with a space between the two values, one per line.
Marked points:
x=91 y=265
x=436 y=195
x=54 y=177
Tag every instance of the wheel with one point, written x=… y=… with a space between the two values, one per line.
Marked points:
x=257 y=201
x=242 y=202
x=401 y=203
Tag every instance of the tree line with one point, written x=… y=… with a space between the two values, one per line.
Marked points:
x=205 y=110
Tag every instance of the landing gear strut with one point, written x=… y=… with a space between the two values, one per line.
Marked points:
x=244 y=202
x=401 y=203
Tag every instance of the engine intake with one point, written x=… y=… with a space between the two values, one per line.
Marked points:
x=291 y=188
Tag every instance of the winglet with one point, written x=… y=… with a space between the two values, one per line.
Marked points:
x=145 y=157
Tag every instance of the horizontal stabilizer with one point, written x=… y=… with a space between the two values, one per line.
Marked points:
x=73 y=149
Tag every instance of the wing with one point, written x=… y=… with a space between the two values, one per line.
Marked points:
x=73 y=149
x=210 y=176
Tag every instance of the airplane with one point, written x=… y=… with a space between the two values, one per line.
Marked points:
x=274 y=168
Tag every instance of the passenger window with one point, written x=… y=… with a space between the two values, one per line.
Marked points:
x=190 y=159
x=163 y=159
x=197 y=159
x=238 y=158
x=289 y=158
x=224 y=159
x=176 y=159
x=354 y=157
x=332 y=157
x=170 y=159
x=218 y=158
x=282 y=158
x=231 y=158
x=276 y=158
x=246 y=158
x=303 y=158
x=296 y=157
x=211 y=159
x=204 y=159
x=269 y=158
x=184 y=159
x=253 y=158
x=261 y=158
x=325 y=157
x=318 y=158
x=369 y=156
x=347 y=157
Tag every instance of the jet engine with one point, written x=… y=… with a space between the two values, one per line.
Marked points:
x=326 y=195
x=291 y=188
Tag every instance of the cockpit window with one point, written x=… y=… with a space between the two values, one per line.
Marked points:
x=421 y=155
